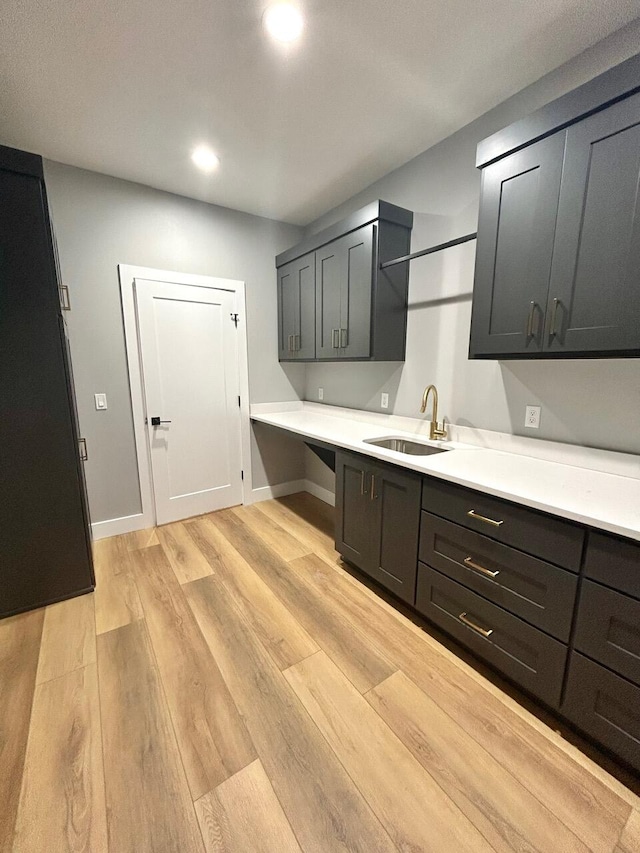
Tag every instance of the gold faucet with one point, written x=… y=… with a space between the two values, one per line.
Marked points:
x=437 y=430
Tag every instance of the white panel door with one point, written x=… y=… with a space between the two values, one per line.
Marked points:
x=188 y=348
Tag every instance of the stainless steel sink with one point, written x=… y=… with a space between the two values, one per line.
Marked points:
x=405 y=445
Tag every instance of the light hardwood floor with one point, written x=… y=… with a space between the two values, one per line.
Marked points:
x=229 y=687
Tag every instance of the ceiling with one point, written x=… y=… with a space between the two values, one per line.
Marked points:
x=130 y=87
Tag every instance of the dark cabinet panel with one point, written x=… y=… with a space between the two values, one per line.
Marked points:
x=377 y=521
x=551 y=539
x=614 y=562
x=524 y=654
x=44 y=543
x=608 y=629
x=354 y=519
x=344 y=275
x=594 y=298
x=604 y=706
x=296 y=307
x=395 y=496
x=515 y=247
x=538 y=592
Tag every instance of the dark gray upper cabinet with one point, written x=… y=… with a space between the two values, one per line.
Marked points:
x=559 y=229
x=515 y=247
x=378 y=521
x=594 y=297
x=296 y=309
x=357 y=311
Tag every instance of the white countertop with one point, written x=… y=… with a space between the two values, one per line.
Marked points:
x=596 y=498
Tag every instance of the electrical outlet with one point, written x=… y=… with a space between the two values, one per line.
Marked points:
x=320 y=393
x=384 y=400
x=532 y=417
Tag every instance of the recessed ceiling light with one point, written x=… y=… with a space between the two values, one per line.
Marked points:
x=283 y=21
x=205 y=159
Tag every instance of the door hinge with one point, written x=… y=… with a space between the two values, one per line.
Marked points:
x=65 y=299
x=84 y=453
x=239 y=403
x=242 y=475
x=235 y=319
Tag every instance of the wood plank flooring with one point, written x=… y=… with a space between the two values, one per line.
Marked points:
x=229 y=687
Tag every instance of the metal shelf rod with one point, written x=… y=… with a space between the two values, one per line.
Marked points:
x=430 y=251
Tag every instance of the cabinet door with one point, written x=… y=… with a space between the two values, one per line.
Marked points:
x=594 y=297
x=518 y=206
x=329 y=274
x=355 y=293
x=395 y=499
x=354 y=513
x=296 y=309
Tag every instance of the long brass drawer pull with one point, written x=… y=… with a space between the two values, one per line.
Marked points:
x=468 y=561
x=362 y=489
x=373 y=487
x=486 y=632
x=484 y=518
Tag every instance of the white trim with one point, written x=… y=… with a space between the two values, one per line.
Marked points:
x=128 y=274
x=116 y=526
x=319 y=492
x=266 y=493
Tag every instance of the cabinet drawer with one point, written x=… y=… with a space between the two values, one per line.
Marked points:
x=608 y=629
x=614 y=562
x=542 y=594
x=556 y=541
x=605 y=706
x=524 y=654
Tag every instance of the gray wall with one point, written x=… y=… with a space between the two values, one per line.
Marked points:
x=589 y=402
x=101 y=222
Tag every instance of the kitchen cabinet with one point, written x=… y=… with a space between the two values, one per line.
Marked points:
x=296 y=309
x=559 y=230
x=335 y=302
x=378 y=520
x=45 y=547
x=344 y=271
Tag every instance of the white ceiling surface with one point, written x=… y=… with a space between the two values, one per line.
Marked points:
x=129 y=87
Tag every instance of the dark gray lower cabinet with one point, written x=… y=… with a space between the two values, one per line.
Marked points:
x=605 y=706
x=377 y=521
x=527 y=656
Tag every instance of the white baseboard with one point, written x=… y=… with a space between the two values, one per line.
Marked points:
x=266 y=493
x=116 y=526
x=129 y=523
x=319 y=492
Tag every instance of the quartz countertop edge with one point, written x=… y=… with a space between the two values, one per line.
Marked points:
x=609 y=502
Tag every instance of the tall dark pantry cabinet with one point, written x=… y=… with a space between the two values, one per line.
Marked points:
x=45 y=546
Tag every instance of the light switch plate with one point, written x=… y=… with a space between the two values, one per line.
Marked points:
x=532 y=417
x=384 y=400
x=101 y=402
x=320 y=393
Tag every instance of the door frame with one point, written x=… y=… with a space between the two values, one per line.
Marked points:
x=128 y=275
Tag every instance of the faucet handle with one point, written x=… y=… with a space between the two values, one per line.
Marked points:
x=440 y=430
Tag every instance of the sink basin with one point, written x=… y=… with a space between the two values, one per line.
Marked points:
x=405 y=445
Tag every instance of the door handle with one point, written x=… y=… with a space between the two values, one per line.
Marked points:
x=485 y=632
x=532 y=313
x=373 y=487
x=469 y=561
x=363 y=491
x=157 y=422
x=344 y=338
x=297 y=341
x=553 y=331
x=335 y=343
x=290 y=343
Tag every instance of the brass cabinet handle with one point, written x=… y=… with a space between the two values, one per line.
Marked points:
x=485 y=632
x=486 y=520
x=290 y=343
x=469 y=561
x=373 y=487
x=296 y=343
x=553 y=331
x=362 y=488
x=344 y=338
x=532 y=313
x=335 y=343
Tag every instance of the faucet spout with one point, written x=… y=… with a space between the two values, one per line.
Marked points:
x=436 y=430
